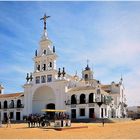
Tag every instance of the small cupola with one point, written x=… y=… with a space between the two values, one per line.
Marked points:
x=87 y=67
x=87 y=74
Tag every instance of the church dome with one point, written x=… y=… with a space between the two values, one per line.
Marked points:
x=87 y=68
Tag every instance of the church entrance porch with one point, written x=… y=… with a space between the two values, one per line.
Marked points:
x=43 y=98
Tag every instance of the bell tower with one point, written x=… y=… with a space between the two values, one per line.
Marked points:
x=87 y=74
x=45 y=58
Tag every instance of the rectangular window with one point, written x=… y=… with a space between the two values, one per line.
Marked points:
x=82 y=111
x=37 y=79
x=11 y=115
x=43 y=79
x=49 y=78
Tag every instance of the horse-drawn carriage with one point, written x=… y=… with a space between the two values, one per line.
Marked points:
x=55 y=118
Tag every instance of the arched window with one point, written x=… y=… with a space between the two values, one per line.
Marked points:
x=5 y=104
x=86 y=76
x=12 y=104
x=50 y=64
x=18 y=103
x=44 y=67
x=82 y=99
x=73 y=99
x=38 y=67
x=0 y=105
x=91 y=98
x=44 y=52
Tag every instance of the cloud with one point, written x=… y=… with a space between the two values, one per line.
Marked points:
x=106 y=33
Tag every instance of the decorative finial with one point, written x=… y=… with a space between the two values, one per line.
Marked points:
x=44 y=19
x=63 y=72
x=27 y=77
x=59 y=72
x=87 y=67
x=36 y=53
x=76 y=73
x=87 y=62
x=121 y=78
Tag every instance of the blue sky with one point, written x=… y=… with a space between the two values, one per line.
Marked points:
x=105 y=33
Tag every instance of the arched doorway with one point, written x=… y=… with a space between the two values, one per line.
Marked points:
x=50 y=114
x=43 y=97
x=50 y=106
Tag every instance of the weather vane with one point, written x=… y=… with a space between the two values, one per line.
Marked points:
x=44 y=19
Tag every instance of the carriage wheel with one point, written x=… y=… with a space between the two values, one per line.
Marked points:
x=42 y=124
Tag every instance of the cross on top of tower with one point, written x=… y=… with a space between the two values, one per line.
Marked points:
x=87 y=67
x=45 y=19
x=87 y=61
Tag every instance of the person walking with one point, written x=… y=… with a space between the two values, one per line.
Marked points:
x=8 y=120
x=103 y=122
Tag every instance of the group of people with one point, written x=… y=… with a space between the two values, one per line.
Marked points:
x=36 y=120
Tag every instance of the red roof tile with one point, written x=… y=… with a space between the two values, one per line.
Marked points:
x=12 y=95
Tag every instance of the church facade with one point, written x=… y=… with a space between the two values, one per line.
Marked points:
x=50 y=88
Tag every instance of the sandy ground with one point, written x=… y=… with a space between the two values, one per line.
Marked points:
x=122 y=130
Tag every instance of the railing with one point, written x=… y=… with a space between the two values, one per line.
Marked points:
x=97 y=100
x=90 y=104
x=13 y=107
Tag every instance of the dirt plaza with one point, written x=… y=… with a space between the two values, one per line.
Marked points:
x=120 y=130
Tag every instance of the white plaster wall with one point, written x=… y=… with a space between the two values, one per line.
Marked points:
x=42 y=96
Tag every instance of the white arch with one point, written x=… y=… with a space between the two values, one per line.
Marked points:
x=41 y=97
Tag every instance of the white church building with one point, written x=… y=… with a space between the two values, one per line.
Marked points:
x=49 y=87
